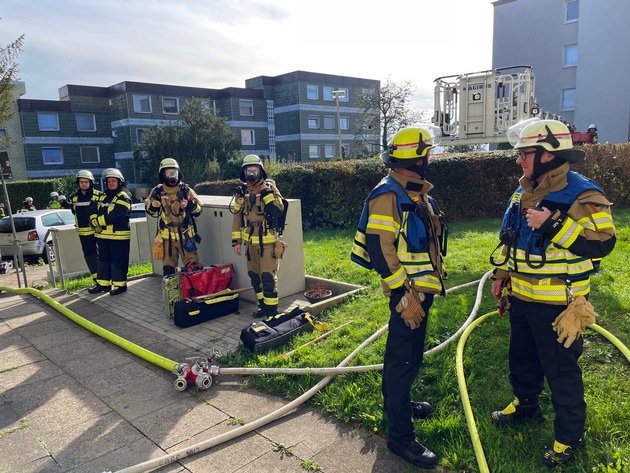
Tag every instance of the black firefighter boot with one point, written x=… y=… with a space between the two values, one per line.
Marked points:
x=262 y=310
x=518 y=410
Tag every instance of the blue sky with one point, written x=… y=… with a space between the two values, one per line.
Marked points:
x=221 y=43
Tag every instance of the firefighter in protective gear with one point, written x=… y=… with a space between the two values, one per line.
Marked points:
x=83 y=205
x=63 y=202
x=111 y=227
x=28 y=205
x=54 y=201
x=592 y=133
x=402 y=236
x=556 y=229
x=258 y=205
x=176 y=206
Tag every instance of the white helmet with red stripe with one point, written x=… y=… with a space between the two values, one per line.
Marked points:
x=551 y=135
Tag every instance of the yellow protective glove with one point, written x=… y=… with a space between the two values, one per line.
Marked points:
x=95 y=225
x=410 y=308
x=572 y=320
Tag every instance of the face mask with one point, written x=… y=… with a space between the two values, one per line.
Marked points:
x=252 y=174
x=172 y=177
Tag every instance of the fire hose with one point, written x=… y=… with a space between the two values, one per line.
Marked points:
x=173 y=366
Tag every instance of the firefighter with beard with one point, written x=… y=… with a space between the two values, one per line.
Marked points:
x=402 y=236
x=176 y=205
x=113 y=231
x=83 y=206
x=556 y=229
x=258 y=205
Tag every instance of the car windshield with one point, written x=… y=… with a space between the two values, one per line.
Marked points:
x=21 y=224
x=50 y=220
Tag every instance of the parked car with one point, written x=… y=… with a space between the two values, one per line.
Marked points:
x=33 y=231
x=138 y=210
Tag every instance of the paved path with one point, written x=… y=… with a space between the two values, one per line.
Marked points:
x=73 y=402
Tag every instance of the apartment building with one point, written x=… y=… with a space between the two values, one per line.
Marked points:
x=578 y=50
x=302 y=116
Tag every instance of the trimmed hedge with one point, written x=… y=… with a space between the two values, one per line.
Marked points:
x=467 y=186
x=39 y=190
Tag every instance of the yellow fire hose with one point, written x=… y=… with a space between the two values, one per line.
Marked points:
x=170 y=365
x=461 y=381
x=137 y=350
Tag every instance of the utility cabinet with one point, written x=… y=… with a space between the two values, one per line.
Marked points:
x=214 y=226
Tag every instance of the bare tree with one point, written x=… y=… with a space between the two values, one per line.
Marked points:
x=386 y=111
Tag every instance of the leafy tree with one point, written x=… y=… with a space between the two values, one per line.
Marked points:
x=201 y=141
x=9 y=69
x=393 y=104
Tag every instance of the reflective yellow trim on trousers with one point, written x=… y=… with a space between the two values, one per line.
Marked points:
x=545 y=291
x=270 y=301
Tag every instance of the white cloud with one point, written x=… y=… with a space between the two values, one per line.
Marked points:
x=221 y=43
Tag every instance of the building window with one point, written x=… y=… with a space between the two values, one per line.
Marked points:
x=170 y=105
x=142 y=103
x=327 y=94
x=139 y=133
x=570 y=55
x=329 y=122
x=313 y=122
x=313 y=151
x=345 y=96
x=312 y=92
x=573 y=10
x=246 y=108
x=568 y=99
x=90 y=154
x=48 y=121
x=52 y=155
x=3 y=133
x=86 y=122
x=329 y=151
x=248 y=137
x=344 y=123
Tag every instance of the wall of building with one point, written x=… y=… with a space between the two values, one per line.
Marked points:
x=534 y=32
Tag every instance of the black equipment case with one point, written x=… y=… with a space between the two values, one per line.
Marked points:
x=272 y=332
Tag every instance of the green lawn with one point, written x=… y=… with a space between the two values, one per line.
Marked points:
x=356 y=398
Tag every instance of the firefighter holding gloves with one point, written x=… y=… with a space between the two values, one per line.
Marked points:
x=258 y=209
x=556 y=229
x=176 y=206
x=402 y=236
x=83 y=206
x=112 y=229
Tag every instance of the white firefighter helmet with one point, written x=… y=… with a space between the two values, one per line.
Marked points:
x=113 y=172
x=54 y=194
x=85 y=174
x=551 y=135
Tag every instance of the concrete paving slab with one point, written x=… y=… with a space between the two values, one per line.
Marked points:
x=27 y=374
x=106 y=382
x=58 y=400
x=9 y=420
x=72 y=448
x=85 y=364
x=179 y=422
x=16 y=358
x=11 y=340
x=18 y=320
x=141 y=398
x=273 y=462
x=68 y=336
x=19 y=450
x=227 y=457
x=128 y=455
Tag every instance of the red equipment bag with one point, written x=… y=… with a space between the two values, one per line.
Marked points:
x=209 y=280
